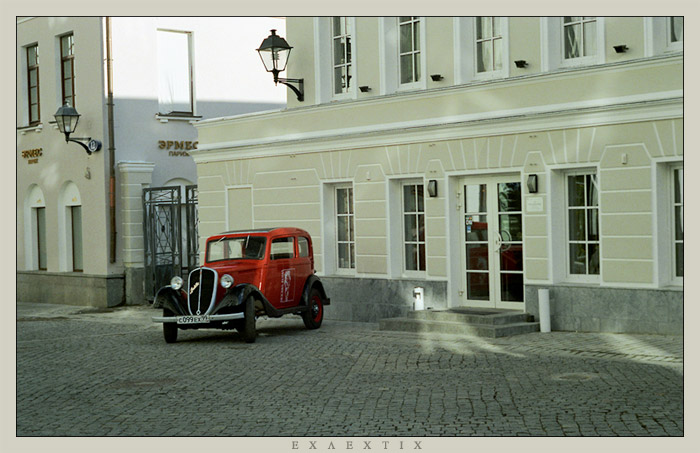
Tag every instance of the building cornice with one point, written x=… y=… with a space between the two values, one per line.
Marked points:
x=629 y=109
x=474 y=86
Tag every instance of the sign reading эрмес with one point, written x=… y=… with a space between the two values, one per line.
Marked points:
x=32 y=155
x=177 y=147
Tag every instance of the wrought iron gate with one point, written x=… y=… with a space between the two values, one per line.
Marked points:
x=163 y=235
x=191 y=201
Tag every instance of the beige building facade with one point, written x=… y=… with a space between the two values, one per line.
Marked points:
x=138 y=83
x=481 y=159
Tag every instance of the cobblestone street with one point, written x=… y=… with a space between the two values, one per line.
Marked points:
x=85 y=372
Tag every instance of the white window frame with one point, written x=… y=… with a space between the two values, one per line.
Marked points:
x=389 y=76
x=417 y=69
x=664 y=226
x=330 y=229
x=493 y=73
x=466 y=54
x=323 y=70
x=39 y=244
x=192 y=84
x=657 y=33
x=581 y=22
x=552 y=42
x=675 y=280
x=34 y=200
x=76 y=242
x=410 y=272
x=349 y=35
x=581 y=278
x=672 y=46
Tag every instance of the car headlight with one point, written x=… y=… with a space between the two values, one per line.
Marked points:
x=226 y=281
x=176 y=283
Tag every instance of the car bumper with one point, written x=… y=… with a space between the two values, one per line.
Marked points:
x=212 y=318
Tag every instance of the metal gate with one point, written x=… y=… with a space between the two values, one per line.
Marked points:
x=163 y=235
x=192 y=217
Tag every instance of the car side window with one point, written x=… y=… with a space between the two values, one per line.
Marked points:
x=303 y=247
x=282 y=248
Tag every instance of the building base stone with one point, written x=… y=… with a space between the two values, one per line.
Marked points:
x=134 y=286
x=371 y=299
x=70 y=288
x=614 y=310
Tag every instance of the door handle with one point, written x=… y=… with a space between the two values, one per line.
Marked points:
x=498 y=242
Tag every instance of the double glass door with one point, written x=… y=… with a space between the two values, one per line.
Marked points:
x=492 y=234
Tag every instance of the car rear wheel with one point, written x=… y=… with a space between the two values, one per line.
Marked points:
x=313 y=316
x=169 y=328
x=248 y=331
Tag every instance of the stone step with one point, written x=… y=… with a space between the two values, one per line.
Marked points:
x=473 y=316
x=457 y=328
x=489 y=323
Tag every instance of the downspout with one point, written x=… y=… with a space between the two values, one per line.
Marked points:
x=110 y=147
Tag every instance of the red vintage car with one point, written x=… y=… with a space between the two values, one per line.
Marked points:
x=246 y=274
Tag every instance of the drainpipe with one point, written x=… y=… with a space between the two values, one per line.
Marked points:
x=110 y=147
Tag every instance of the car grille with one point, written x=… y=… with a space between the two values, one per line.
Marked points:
x=201 y=287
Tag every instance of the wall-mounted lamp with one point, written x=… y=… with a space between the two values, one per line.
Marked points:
x=67 y=120
x=365 y=88
x=532 y=184
x=274 y=53
x=622 y=48
x=432 y=188
x=520 y=63
x=436 y=77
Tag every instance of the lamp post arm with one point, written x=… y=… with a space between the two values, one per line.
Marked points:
x=96 y=145
x=299 y=92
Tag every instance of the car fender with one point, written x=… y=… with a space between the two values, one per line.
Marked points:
x=171 y=299
x=314 y=282
x=237 y=295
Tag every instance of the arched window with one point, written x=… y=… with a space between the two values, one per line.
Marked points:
x=35 y=235
x=70 y=229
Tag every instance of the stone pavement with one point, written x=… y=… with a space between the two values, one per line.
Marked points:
x=89 y=372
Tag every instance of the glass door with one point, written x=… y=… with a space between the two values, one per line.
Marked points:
x=493 y=242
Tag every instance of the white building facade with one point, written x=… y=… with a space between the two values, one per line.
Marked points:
x=139 y=84
x=480 y=158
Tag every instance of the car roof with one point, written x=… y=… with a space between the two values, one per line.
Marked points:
x=264 y=232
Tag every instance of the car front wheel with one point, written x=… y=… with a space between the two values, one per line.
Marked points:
x=248 y=331
x=169 y=328
x=313 y=316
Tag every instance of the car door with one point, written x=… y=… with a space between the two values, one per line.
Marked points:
x=303 y=262
x=280 y=282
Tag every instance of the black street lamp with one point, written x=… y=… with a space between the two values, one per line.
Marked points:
x=274 y=53
x=67 y=120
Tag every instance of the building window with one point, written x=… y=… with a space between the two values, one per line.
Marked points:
x=342 y=55
x=579 y=36
x=582 y=224
x=663 y=34
x=481 y=50
x=489 y=44
x=409 y=49
x=33 y=83
x=675 y=30
x=41 y=237
x=76 y=221
x=175 y=94
x=345 y=227
x=414 y=227
x=678 y=222
x=68 y=70
x=572 y=41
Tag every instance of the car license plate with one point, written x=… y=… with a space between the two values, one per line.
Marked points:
x=192 y=319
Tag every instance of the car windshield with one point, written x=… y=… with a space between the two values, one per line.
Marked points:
x=240 y=248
